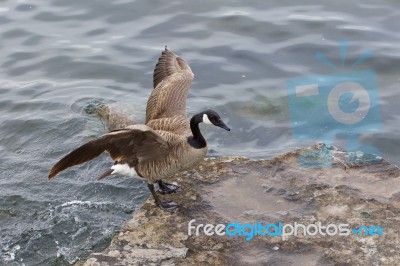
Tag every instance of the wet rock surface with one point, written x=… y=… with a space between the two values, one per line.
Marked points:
x=229 y=189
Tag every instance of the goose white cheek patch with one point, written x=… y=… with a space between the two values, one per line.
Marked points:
x=206 y=120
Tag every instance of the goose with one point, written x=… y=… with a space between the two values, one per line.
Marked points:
x=168 y=143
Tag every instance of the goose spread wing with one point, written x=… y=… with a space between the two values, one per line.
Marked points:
x=131 y=144
x=171 y=79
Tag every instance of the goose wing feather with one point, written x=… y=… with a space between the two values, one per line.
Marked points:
x=171 y=80
x=131 y=144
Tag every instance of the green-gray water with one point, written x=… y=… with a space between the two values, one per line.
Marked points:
x=60 y=57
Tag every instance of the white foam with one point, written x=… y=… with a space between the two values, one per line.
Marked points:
x=76 y=202
x=10 y=255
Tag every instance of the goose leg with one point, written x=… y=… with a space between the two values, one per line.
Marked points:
x=165 y=188
x=169 y=206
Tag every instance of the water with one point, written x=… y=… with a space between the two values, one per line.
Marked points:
x=59 y=57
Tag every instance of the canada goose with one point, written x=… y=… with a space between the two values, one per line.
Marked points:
x=167 y=144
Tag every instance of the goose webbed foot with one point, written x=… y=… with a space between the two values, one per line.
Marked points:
x=168 y=206
x=165 y=188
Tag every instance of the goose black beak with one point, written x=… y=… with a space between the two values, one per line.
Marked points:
x=222 y=125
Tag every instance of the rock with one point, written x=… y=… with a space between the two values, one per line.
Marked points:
x=217 y=192
x=229 y=189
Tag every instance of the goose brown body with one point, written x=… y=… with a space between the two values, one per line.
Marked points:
x=166 y=144
x=180 y=154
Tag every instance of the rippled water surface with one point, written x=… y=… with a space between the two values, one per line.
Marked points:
x=59 y=57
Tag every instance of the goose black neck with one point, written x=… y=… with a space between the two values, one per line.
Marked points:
x=197 y=140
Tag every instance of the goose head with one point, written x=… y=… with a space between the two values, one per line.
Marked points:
x=211 y=117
